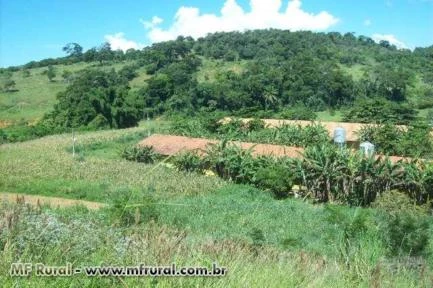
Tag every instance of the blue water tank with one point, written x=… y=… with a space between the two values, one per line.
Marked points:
x=367 y=148
x=339 y=135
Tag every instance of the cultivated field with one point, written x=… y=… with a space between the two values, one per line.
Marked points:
x=187 y=218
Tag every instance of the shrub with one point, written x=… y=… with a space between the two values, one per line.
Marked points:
x=131 y=207
x=405 y=225
x=231 y=162
x=212 y=123
x=255 y=124
x=350 y=228
x=144 y=154
x=188 y=161
x=389 y=139
x=417 y=141
x=233 y=127
x=276 y=178
x=380 y=111
x=291 y=135
x=99 y=122
x=188 y=127
x=384 y=137
x=298 y=113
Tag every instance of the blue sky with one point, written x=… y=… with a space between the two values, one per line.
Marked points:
x=38 y=29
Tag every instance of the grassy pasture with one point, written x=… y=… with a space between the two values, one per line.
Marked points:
x=36 y=95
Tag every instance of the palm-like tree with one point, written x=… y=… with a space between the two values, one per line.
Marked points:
x=270 y=96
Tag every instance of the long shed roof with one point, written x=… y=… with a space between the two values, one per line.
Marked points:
x=351 y=128
x=170 y=145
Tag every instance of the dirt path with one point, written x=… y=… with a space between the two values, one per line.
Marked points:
x=5 y=123
x=52 y=201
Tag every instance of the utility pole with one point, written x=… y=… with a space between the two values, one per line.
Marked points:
x=147 y=124
x=73 y=143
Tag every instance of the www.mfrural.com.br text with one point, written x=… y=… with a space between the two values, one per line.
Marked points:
x=140 y=270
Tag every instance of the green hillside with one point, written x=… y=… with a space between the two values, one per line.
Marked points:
x=262 y=73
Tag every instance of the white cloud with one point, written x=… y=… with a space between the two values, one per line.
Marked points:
x=367 y=22
x=118 y=42
x=188 y=21
x=150 y=24
x=391 y=39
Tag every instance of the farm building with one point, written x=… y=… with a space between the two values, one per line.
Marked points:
x=168 y=145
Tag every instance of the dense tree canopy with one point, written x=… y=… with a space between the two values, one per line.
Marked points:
x=95 y=99
x=257 y=73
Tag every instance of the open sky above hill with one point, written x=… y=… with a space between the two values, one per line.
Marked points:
x=33 y=29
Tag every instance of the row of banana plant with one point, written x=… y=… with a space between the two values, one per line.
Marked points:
x=413 y=141
x=325 y=173
x=332 y=174
x=253 y=131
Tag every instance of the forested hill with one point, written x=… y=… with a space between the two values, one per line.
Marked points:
x=256 y=73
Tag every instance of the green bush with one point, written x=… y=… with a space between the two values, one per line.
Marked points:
x=386 y=138
x=255 y=125
x=275 y=178
x=417 y=141
x=212 y=123
x=131 y=207
x=406 y=225
x=231 y=162
x=188 y=161
x=350 y=228
x=233 y=127
x=144 y=154
x=24 y=132
x=389 y=139
x=291 y=135
x=380 y=111
x=99 y=122
x=188 y=127
x=298 y=113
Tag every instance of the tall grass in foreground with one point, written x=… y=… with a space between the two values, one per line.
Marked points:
x=83 y=238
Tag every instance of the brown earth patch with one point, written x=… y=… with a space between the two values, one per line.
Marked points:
x=5 y=123
x=51 y=201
